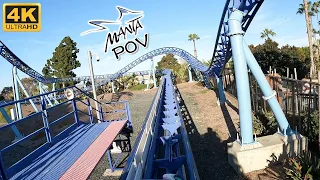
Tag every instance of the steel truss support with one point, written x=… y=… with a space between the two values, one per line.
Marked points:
x=269 y=94
x=152 y=70
x=16 y=93
x=243 y=57
x=13 y=127
x=241 y=74
x=222 y=96
x=190 y=73
x=112 y=86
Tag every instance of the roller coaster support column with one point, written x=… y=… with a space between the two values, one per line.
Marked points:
x=93 y=85
x=112 y=86
x=26 y=93
x=154 y=74
x=222 y=96
x=242 y=80
x=190 y=74
x=14 y=127
x=17 y=93
x=269 y=94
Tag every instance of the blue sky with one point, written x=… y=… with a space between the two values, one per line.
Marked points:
x=168 y=23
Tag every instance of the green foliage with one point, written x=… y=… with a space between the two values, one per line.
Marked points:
x=2 y=119
x=303 y=167
x=269 y=54
x=138 y=87
x=63 y=61
x=7 y=93
x=313 y=131
x=193 y=37
x=266 y=33
x=264 y=123
x=170 y=62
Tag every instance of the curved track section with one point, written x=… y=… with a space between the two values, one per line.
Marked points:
x=221 y=55
x=222 y=50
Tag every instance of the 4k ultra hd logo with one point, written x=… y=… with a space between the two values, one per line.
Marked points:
x=21 y=17
x=130 y=27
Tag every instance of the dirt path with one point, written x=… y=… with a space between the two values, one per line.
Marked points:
x=210 y=128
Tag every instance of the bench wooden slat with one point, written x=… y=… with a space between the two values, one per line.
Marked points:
x=86 y=163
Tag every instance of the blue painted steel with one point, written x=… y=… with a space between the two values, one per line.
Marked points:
x=167 y=124
x=112 y=86
x=17 y=93
x=154 y=74
x=54 y=163
x=90 y=111
x=13 y=127
x=267 y=91
x=25 y=92
x=43 y=157
x=190 y=74
x=241 y=74
x=222 y=96
x=45 y=120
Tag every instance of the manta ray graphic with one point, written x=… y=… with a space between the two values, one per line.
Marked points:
x=100 y=24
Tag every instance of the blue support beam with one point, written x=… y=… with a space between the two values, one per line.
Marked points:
x=14 y=127
x=269 y=94
x=222 y=96
x=190 y=74
x=241 y=74
x=17 y=93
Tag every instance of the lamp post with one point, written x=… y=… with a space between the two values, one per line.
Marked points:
x=93 y=82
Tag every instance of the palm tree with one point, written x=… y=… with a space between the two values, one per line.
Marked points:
x=266 y=33
x=194 y=37
x=305 y=8
x=315 y=10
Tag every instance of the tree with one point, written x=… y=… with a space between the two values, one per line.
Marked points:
x=7 y=93
x=194 y=37
x=63 y=61
x=269 y=54
x=305 y=8
x=31 y=86
x=266 y=33
x=169 y=62
x=207 y=63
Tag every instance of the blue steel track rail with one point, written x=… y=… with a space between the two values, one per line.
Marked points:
x=222 y=50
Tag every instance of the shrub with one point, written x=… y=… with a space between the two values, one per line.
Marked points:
x=139 y=87
x=303 y=167
x=311 y=132
x=264 y=123
x=2 y=119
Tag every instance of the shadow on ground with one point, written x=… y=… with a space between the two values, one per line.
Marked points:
x=211 y=160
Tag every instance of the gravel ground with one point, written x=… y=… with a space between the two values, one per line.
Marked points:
x=139 y=102
x=210 y=128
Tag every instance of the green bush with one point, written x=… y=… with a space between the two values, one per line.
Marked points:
x=264 y=123
x=303 y=167
x=313 y=131
x=139 y=87
x=2 y=119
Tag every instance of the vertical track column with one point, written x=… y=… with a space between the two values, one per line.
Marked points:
x=242 y=80
x=190 y=74
x=222 y=96
x=17 y=93
x=154 y=74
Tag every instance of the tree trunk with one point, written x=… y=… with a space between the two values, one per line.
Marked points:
x=195 y=50
x=309 y=31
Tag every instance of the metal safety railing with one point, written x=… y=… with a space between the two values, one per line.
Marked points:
x=66 y=114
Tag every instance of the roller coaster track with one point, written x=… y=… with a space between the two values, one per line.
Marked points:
x=164 y=116
x=221 y=55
